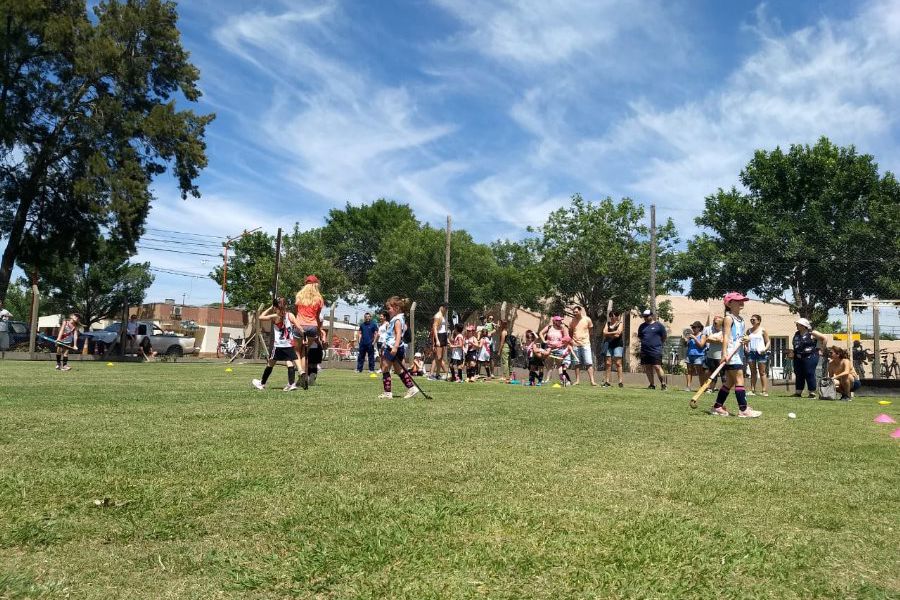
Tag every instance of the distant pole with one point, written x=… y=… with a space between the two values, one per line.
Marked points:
x=447 y=265
x=412 y=328
x=35 y=306
x=876 y=345
x=653 y=258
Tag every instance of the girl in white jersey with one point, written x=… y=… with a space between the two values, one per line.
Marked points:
x=757 y=355
x=68 y=335
x=734 y=338
x=282 y=346
x=394 y=349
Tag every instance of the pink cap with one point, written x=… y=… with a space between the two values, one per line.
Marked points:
x=731 y=296
x=312 y=279
x=557 y=318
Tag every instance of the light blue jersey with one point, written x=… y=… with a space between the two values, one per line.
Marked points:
x=738 y=329
x=390 y=334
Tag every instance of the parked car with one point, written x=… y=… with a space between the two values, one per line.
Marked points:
x=170 y=344
x=13 y=334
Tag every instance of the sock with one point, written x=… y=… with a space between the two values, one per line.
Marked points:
x=540 y=377
x=532 y=375
x=65 y=360
x=386 y=381
x=741 y=396
x=565 y=376
x=291 y=372
x=407 y=379
x=266 y=372
x=723 y=395
x=59 y=359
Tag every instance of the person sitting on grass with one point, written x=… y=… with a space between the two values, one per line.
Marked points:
x=145 y=349
x=418 y=365
x=840 y=368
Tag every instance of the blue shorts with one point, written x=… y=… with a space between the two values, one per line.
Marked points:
x=386 y=353
x=566 y=360
x=757 y=357
x=583 y=356
x=617 y=352
x=856 y=385
x=695 y=360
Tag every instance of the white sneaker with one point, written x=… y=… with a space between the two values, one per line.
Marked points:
x=411 y=392
x=289 y=388
x=749 y=413
x=258 y=384
x=58 y=367
x=751 y=393
x=386 y=395
x=66 y=368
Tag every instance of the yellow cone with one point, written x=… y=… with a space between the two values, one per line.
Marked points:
x=228 y=369
x=373 y=375
x=556 y=385
x=109 y=364
x=884 y=402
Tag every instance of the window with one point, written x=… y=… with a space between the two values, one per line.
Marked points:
x=176 y=312
x=18 y=328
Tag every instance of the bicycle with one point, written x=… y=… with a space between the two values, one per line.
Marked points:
x=889 y=370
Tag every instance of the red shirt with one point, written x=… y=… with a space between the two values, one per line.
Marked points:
x=309 y=315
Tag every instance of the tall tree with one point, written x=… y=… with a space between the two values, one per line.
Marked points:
x=816 y=226
x=97 y=289
x=251 y=268
x=410 y=263
x=87 y=119
x=353 y=236
x=593 y=253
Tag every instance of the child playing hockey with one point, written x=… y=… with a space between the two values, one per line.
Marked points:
x=535 y=355
x=735 y=336
x=394 y=349
x=471 y=349
x=68 y=335
x=282 y=346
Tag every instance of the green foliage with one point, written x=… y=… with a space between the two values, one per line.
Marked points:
x=596 y=252
x=352 y=237
x=520 y=278
x=832 y=327
x=251 y=268
x=97 y=289
x=88 y=118
x=817 y=226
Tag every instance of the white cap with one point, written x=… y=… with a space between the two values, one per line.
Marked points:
x=804 y=322
x=647 y=313
x=418 y=355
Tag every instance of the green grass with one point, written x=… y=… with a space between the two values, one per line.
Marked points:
x=216 y=490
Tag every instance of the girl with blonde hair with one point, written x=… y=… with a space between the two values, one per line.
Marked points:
x=309 y=331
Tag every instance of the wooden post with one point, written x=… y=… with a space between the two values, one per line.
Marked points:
x=35 y=305
x=411 y=352
x=876 y=333
x=447 y=267
x=653 y=258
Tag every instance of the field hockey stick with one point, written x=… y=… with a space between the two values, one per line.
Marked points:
x=277 y=265
x=703 y=388
x=403 y=369
x=51 y=340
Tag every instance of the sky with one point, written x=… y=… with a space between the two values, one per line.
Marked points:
x=497 y=111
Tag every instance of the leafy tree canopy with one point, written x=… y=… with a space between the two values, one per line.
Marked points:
x=816 y=226
x=88 y=118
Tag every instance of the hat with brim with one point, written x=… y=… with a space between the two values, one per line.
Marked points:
x=557 y=318
x=804 y=322
x=312 y=279
x=647 y=313
x=734 y=297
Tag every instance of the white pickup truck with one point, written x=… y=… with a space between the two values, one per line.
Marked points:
x=170 y=344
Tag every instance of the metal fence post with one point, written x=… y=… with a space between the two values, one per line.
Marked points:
x=412 y=328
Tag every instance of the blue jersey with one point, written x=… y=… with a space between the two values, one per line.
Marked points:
x=390 y=335
x=693 y=349
x=367 y=333
x=738 y=329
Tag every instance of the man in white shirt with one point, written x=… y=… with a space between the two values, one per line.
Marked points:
x=5 y=315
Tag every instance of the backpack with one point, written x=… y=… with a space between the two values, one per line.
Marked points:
x=826 y=389
x=513 y=343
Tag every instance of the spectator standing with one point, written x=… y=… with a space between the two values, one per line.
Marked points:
x=131 y=330
x=615 y=348
x=5 y=315
x=383 y=320
x=758 y=355
x=368 y=331
x=439 y=340
x=581 y=328
x=860 y=358
x=806 y=357
x=695 y=355
x=652 y=336
x=711 y=342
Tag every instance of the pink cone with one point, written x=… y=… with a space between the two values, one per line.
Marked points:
x=896 y=434
x=883 y=418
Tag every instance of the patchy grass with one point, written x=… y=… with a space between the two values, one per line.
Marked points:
x=209 y=488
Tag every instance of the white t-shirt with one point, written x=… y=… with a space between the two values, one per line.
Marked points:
x=442 y=323
x=382 y=331
x=5 y=314
x=282 y=333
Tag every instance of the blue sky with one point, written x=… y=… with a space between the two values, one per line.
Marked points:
x=497 y=111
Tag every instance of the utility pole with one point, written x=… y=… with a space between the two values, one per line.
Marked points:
x=876 y=344
x=447 y=266
x=653 y=258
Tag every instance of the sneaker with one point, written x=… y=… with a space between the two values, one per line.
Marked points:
x=765 y=394
x=304 y=381
x=386 y=395
x=289 y=388
x=811 y=395
x=719 y=411
x=845 y=398
x=651 y=387
x=258 y=384
x=58 y=367
x=411 y=392
x=664 y=387
x=749 y=413
x=709 y=391
x=751 y=393
x=606 y=384
x=797 y=395
x=688 y=390
x=312 y=378
x=66 y=368
x=621 y=384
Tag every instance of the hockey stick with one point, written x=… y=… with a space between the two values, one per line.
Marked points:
x=403 y=369
x=703 y=388
x=277 y=265
x=51 y=340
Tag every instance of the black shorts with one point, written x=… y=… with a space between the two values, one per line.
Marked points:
x=287 y=354
x=535 y=363
x=651 y=359
x=472 y=356
x=442 y=339
x=455 y=362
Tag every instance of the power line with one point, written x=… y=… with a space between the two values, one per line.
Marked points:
x=178 y=251
x=183 y=242
x=203 y=235
x=178 y=273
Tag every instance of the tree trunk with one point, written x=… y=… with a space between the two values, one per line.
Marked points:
x=14 y=242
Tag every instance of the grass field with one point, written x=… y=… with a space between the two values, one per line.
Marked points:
x=216 y=490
